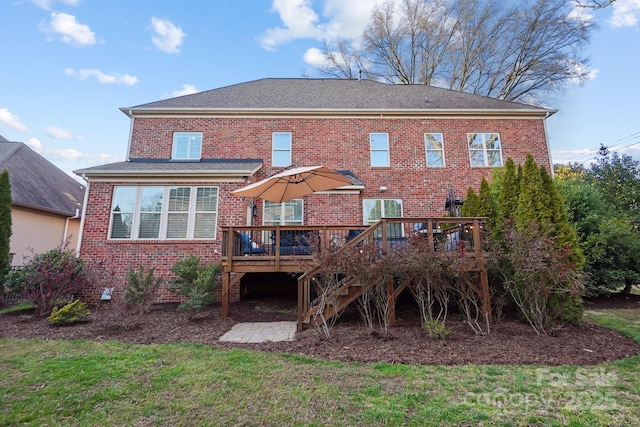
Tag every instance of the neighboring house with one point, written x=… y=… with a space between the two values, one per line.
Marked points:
x=403 y=147
x=46 y=202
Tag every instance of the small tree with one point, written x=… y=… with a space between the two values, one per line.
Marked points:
x=196 y=282
x=5 y=224
x=471 y=203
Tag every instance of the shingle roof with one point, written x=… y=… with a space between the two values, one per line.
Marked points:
x=225 y=167
x=333 y=94
x=37 y=183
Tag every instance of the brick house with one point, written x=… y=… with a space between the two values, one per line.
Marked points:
x=403 y=147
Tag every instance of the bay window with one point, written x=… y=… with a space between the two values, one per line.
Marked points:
x=156 y=212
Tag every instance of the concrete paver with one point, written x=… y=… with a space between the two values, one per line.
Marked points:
x=257 y=332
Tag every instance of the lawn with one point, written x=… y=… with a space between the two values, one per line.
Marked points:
x=84 y=383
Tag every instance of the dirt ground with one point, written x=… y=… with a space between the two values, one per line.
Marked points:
x=510 y=341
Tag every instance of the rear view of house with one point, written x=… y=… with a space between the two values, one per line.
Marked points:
x=404 y=149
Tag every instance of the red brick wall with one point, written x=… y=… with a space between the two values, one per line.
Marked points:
x=332 y=142
x=344 y=144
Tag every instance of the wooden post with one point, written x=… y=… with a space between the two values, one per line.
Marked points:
x=482 y=269
x=383 y=224
x=226 y=276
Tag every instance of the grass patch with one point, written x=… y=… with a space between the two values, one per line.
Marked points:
x=625 y=321
x=113 y=384
x=21 y=306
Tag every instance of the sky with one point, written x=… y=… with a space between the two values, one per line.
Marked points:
x=68 y=66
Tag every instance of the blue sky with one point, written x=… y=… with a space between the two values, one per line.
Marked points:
x=69 y=65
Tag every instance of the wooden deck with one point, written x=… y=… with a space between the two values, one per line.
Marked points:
x=296 y=249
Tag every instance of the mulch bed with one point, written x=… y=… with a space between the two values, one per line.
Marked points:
x=510 y=342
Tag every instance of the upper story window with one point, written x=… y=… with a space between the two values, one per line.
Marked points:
x=434 y=147
x=379 y=149
x=155 y=212
x=281 y=153
x=187 y=146
x=485 y=149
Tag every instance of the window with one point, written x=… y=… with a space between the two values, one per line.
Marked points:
x=187 y=146
x=281 y=155
x=376 y=209
x=287 y=213
x=156 y=212
x=485 y=149
x=435 y=149
x=379 y=149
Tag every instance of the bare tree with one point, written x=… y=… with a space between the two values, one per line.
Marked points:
x=513 y=53
x=342 y=60
x=594 y=4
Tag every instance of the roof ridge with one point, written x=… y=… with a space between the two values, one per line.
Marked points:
x=12 y=152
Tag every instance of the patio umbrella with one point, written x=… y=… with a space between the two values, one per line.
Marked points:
x=294 y=183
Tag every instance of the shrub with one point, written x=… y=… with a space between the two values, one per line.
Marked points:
x=74 y=312
x=541 y=281
x=142 y=289
x=196 y=282
x=52 y=278
x=15 y=280
x=436 y=329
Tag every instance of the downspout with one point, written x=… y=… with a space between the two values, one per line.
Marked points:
x=546 y=137
x=66 y=225
x=84 y=215
x=130 y=136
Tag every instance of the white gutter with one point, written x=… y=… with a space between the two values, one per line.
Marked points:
x=84 y=215
x=340 y=112
x=66 y=225
x=546 y=137
x=130 y=137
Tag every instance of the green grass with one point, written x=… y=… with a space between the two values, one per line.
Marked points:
x=21 y=306
x=79 y=383
x=625 y=321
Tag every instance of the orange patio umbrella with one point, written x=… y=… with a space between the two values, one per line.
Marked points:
x=294 y=183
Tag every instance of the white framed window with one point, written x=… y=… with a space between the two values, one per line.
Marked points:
x=187 y=146
x=373 y=210
x=434 y=147
x=169 y=212
x=281 y=149
x=485 y=149
x=379 y=143
x=286 y=213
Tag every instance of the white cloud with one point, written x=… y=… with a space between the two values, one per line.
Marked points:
x=113 y=78
x=339 y=19
x=299 y=19
x=581 y=13
x=34 y=143
x=314 y=56
x=186 y=90
x=12 y=121
x=60 y=133
x=168 y=37
x=69 y=30
x=46 y=4
x=625 y=13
